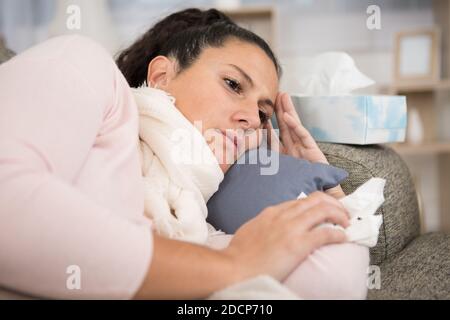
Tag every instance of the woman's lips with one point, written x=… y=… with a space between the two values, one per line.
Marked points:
x=232 y=137
x=231 y=141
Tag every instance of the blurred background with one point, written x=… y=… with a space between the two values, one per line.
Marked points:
x=298 y=29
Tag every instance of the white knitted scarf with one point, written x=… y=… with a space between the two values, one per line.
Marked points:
x=180 y=171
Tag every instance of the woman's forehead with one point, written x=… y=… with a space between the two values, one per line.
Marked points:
x=249 y=58
x=240 y=53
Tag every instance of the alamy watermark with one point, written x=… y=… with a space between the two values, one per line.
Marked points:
x=373 y=21
x=374 y=277
x=73 y=21
x=73 y=281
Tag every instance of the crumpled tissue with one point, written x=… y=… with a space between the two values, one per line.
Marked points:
x=361 y=206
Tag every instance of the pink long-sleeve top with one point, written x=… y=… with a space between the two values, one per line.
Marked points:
x=71 y=192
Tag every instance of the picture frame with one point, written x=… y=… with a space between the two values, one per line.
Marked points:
x=417 y=56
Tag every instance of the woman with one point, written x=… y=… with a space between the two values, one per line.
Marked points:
x=70 y=184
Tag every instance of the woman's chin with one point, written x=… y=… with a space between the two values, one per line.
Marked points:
x=226 y=160
x=224 y=167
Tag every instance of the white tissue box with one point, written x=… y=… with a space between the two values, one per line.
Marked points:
x=353 y=119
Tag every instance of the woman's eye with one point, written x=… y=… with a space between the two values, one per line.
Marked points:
x=234 y=85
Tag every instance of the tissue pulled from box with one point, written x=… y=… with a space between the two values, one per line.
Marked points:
x=329 y=74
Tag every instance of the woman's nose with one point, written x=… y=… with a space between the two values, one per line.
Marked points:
x=249 y=120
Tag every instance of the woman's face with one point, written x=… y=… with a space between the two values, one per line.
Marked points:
x=228 y=93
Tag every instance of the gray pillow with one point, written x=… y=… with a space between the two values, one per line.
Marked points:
x=247 y=187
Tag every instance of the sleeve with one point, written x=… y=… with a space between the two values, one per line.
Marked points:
x=332 y=272
x=55 y=241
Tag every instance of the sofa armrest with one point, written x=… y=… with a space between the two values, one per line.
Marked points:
x=400 y=211
x=419 y=271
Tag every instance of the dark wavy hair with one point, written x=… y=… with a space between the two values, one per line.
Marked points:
x=183 y=35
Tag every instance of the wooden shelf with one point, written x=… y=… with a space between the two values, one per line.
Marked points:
x=413 y=87
x=421 y=149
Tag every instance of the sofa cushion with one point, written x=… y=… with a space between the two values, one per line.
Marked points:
x=400 y=210
x=419 y=271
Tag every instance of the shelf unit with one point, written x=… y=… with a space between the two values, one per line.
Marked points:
x=426 y=99
x=413 y=87
x=423 y=97
x=431 y=148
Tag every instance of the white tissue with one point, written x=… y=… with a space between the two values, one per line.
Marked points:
x=361 y=206
x=329 y=74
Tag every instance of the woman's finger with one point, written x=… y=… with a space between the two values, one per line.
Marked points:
x=301 y=133
x=324 y=213
x=295 y=208
x=317 y=198
x=288 y=106
x=272 y=138
x=285 y=134
x=319 y=237
x=298 y=132
x=292 y=208
x=282 y=208
x=318 y=214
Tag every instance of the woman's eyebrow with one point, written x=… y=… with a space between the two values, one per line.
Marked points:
x=243 y=73
x=250 y=81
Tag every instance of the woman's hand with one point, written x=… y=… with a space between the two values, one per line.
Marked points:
x=274 y=243
x=282 y=236
x=296 y=139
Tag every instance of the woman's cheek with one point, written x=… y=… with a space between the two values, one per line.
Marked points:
x=252 y=141
x=222 y=149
